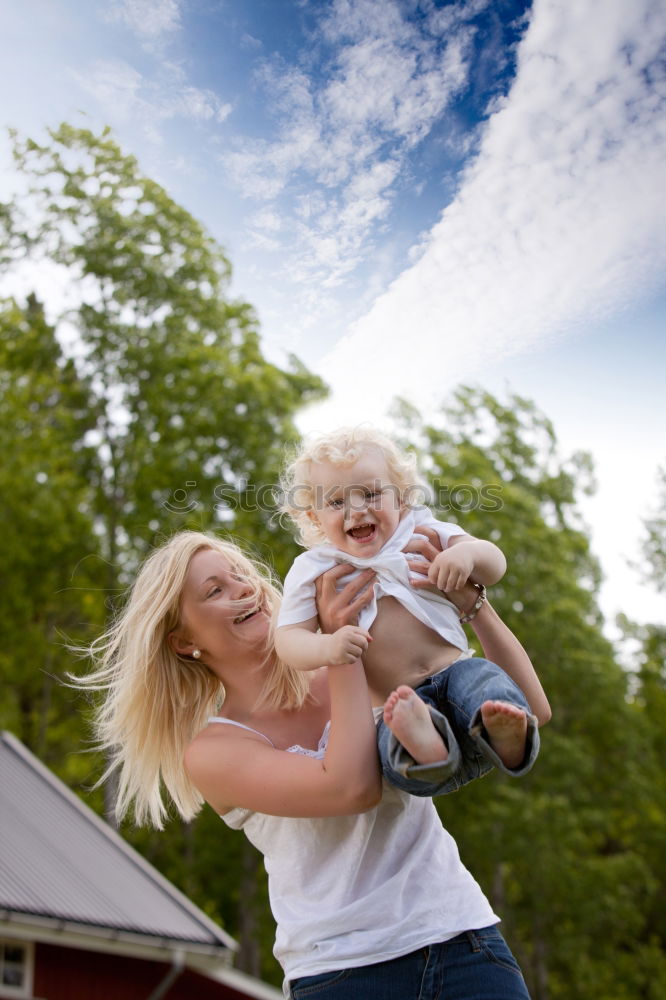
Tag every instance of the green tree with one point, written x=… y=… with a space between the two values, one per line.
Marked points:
x=50 y=576
x=645 y=649
x=558 y=852
x=654 y=545
x=192 y=419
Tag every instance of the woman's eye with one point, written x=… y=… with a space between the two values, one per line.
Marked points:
x=335 y=504
x=214 y=591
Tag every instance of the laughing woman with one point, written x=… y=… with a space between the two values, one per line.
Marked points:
x=367 y=889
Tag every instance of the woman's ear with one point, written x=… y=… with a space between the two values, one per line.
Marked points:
x=179 y=644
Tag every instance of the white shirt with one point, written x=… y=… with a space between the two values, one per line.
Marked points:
x=390 y=564
x=355 y=890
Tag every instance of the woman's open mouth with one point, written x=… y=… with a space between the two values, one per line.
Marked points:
x=246 y=616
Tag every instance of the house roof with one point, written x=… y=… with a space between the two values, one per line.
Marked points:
x=60 y=861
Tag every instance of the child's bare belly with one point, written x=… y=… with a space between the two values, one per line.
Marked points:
x=403 y=650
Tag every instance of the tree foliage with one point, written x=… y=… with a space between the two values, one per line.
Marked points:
x=188 y=411
x=48 y=568
x=654 y=545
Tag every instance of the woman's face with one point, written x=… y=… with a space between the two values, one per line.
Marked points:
x=218 y=612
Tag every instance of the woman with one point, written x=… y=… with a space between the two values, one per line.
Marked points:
x=370 y=897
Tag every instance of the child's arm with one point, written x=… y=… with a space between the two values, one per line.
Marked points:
x=304 y=648
x=466 y=558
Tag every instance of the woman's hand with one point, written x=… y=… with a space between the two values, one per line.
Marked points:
x=430 y=547
x=337 y=608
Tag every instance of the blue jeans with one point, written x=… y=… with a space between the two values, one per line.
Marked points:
x=475 y=965
x=454 y=697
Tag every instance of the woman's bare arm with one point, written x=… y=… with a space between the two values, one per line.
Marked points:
x=304 y=648
x=500 y=645
x=232 y=767
x=498 y=642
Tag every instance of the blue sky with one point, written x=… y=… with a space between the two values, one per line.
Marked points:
x=413 y=193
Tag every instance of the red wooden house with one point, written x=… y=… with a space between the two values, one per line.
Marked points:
x=84 y=917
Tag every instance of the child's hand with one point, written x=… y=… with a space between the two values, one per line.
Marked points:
x=451 y=569
x=347 y=644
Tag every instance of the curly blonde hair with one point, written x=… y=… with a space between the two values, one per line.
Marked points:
x=156 y=701
x=342 y=447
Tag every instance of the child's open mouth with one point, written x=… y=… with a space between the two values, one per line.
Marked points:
x=363 y=532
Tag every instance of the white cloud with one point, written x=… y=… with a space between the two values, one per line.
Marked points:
x=561 y=218
x=148 y=18
x=124 y=94
x=345 y=129
x=191 y=102
x=266 y=220
x=115 y=85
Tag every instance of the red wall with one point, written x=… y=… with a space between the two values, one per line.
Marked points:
x=72 y=974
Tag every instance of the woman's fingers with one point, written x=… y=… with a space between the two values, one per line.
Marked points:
x=425 y=547
x=326 y=585
x=418 y=573
x=428 y=546
x=337 y=608
x=418 y=566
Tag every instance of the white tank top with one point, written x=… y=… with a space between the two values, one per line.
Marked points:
x=355 y=890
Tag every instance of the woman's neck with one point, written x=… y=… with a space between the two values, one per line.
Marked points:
x=244 y=686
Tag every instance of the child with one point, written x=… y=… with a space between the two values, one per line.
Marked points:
x=349 y=495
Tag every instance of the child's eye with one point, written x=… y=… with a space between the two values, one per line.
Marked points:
x=213 y=591
x=335 y=504
x=373 y=495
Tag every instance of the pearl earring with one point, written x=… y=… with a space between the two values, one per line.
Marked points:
x=196 y=653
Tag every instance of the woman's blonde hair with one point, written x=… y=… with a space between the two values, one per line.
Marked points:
x=343 y=446
x=157 y=701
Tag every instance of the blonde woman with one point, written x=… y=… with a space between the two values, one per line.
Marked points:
x=369 y=894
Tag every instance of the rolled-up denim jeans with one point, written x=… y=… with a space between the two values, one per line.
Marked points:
x=454 y=697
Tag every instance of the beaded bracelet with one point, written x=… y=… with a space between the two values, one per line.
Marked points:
x=476 y=607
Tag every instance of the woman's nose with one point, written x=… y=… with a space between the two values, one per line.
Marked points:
x=243 y=587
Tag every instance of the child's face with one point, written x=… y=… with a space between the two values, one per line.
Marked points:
x=357 y=506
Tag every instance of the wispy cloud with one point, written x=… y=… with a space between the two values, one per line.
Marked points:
x=157 y=94
x=149 y=19
x=378 y=82
x=124 y=94
x=560 y=219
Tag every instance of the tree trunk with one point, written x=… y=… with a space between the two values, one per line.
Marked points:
x=248 y=958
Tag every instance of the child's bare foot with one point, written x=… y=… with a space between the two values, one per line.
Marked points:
x=506 y=726
x=409 y=720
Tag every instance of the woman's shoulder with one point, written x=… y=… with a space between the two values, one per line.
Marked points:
x=217 y=733
x=203 y=741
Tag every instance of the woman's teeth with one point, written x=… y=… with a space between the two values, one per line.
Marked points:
x=244 y=617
